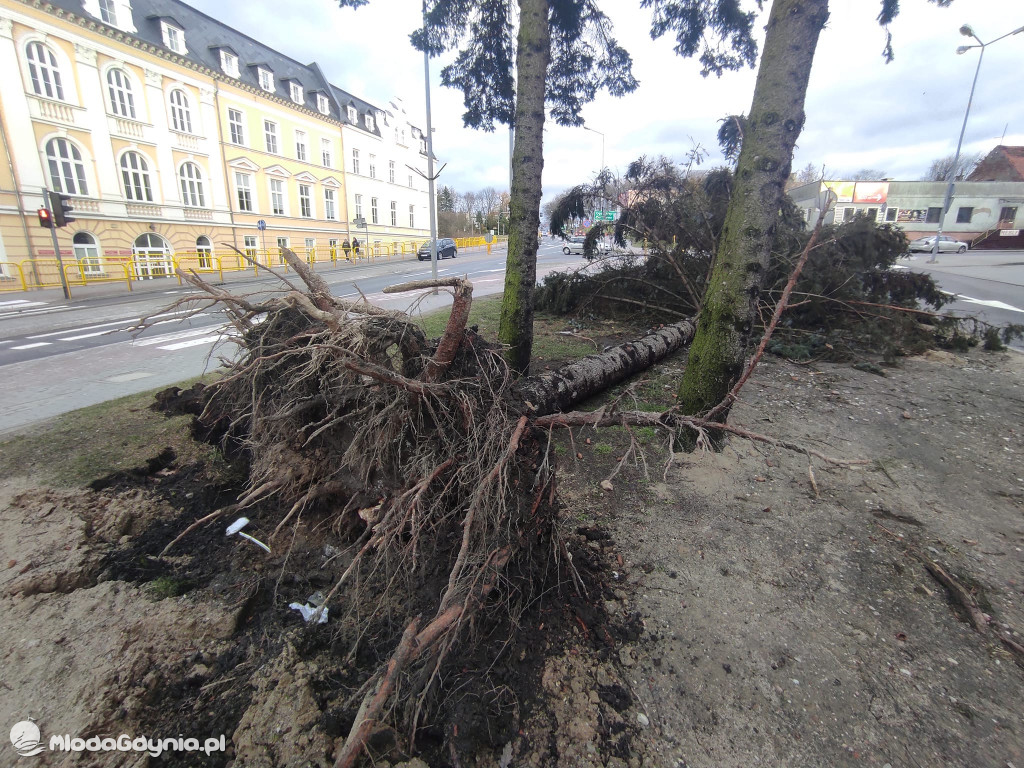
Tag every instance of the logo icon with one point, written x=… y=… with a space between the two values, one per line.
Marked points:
x=25 y=738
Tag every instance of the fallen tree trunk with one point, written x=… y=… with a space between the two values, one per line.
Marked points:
x=575 y=382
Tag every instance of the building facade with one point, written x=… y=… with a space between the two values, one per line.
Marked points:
x=982 y=213
x=178 y=139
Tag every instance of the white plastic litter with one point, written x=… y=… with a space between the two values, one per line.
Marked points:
x=236 y=528
x=308 y=611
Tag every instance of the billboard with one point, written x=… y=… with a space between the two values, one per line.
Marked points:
x=843 y=190
x=871 y=192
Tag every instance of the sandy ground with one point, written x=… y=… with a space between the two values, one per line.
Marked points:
x=784 y=621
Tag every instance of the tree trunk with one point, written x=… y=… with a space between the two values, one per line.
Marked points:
x=575 y=382
x=532 y=57
x=729 y=313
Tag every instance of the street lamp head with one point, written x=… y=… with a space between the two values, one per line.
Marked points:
x=966 y=30
x=964 y=49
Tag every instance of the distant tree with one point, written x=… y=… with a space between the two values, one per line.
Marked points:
x=489 y=200
x=942 y=168
x=810 y=172
x=868 y=174
x=446 y=197
x=730 y=136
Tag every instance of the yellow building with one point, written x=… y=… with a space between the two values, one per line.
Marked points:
x=177 y=137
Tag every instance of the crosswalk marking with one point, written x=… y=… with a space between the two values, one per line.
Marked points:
x=166 y=337
x=192 y=342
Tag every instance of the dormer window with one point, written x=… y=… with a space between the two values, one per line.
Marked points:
x=108 y=12
x=266 y=79
x=229 y=63
x=323 y=104
x=353 y=116
x=369 y=122
x=296 y=93
x=174 y=37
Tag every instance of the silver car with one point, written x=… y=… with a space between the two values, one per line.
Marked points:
x=946 y=245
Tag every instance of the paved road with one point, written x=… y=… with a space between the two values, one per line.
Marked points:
x=986 y=284
x=57 y=356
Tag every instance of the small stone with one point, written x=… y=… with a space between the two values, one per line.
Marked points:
x=642 y=719
x=625 y=658
x=607 y=485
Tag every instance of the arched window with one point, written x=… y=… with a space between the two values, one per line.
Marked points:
x=152 y=256
x=87 y=253
x=191 y=185
x=181 y=118
x=122 y=102
x=135 y=174
x=43 y=71
x=204 y=249
x=67 y=171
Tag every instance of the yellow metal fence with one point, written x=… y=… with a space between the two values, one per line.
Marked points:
x=45 y=273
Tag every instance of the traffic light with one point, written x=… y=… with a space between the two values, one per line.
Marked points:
x=45 y=218
x=60 y=205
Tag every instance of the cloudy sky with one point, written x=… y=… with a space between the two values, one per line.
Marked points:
x=861 y=112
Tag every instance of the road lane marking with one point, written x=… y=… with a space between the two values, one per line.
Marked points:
x=23 y=303
x=33 y=346
x=193 y=342
x=166 y=337
x=37 y=311
x=987 y=303
x=83 y=328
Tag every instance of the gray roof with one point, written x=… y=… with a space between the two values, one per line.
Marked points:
x=205 y=36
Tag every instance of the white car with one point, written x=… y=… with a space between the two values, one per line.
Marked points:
x=575 y=245
x=946 y=245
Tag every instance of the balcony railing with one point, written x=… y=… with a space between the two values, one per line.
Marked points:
x=56 y=111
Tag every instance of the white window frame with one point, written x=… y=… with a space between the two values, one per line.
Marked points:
x=278 y=198
x=250 y=244
x=373 y=210
x=394 y=213
x=295 y=90
x=369 y=122
x=359 y=206
x=174 y=37
x=412 y=217
x=330 y=205
x=181 y=113
x=355 y=161
x=108 y=12
x=301 y=145
x=190 y=179
x=243 y=192
x=327 y=153
x=322 y=104
x=411 y=182
x=66 y=167
x=204 y=252
x=391 y=171
x=138 y=184
x=373 y=166
x=306 y=201
x=229 y=63
x=353 y=115
x=87 y=255
x=266 y=79
x=270 y=136
x=44 y=72
x=119 y=91
x=236 y=127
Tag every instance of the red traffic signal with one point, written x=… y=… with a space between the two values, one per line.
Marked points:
x=60 y=205
x=45 y=218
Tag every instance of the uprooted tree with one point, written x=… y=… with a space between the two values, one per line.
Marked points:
x=429 y=459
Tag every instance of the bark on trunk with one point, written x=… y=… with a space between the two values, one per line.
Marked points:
x=534 y=52
x=720 y=345
x=575 y=382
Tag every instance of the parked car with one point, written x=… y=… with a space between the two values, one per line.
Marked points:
x=575 y=245
x=946 y=245
x=445 y=248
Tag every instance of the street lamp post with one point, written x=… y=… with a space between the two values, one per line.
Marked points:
x=585 y=128
x=967 y=31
